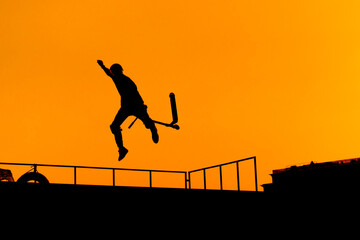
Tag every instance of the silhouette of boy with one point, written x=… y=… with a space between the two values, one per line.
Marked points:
x=131 y=104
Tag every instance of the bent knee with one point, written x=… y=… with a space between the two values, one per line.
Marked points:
x=115 y=129
x=149 y=124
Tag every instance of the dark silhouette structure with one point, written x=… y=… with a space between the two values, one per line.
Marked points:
x=34 y=176
x=131 y=104
x=186 y=198
x=6 y=175
x=31 y=176
x=332 y=176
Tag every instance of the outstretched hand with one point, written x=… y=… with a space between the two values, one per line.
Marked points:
x=107 y=71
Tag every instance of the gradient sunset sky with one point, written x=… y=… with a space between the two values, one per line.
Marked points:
x=276 y=79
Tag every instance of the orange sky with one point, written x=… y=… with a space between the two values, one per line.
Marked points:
x=277 y=79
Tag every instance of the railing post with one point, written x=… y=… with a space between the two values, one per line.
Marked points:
x=189 y=181
x=256 y=184
x=221 y=185
x=237 y=175
x=150 y=179
x=74 y=175
x=204 y=179
x=185 y=180
x=113 y=173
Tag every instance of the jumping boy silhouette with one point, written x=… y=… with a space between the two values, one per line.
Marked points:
x=131 y=104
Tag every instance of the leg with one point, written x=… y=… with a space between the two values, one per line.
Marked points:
x=149 y=124
x=116 y=130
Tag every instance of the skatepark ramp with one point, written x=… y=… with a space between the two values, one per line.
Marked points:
x=34 y=176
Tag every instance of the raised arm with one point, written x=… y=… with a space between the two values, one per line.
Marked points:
x=106 y=70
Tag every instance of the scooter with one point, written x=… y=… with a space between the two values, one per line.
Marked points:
x=174 y=115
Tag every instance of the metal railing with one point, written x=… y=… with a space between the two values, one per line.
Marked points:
x=187 y=175
x=150 y=171
x=220 y=173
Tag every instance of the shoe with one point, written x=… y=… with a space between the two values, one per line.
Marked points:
x=155 y=135
x=122 y=153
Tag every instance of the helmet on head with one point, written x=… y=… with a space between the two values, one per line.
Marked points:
x=116 y=69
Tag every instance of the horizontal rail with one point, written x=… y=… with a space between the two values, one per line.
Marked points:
x=219 y=165
x=89 y=167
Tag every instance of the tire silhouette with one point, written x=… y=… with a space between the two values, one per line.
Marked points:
x=33 y=176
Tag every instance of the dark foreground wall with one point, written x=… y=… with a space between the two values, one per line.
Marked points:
x=131 y=197
x=116 y=211
x=158 y=208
